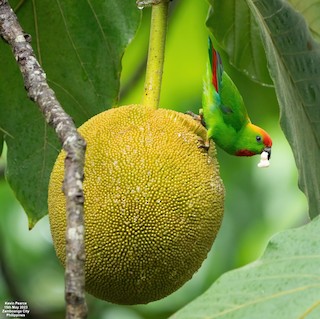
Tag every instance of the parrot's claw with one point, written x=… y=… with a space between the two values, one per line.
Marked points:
x=197 y=117
x=204 y=144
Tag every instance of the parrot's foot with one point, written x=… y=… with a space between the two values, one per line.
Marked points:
x=148 y=3
x=204 y=144
x=197 y=117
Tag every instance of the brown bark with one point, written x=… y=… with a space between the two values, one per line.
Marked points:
x=74 y=145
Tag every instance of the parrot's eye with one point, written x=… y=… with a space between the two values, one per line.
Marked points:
x=258 y=138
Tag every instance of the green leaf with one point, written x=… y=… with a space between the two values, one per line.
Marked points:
x=283 y=283
x=80 y=45
x=294 y=61
x=1 y=143
x=237 y=33
x=310 y=9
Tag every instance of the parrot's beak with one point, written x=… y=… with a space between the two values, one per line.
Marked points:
x=268 y=150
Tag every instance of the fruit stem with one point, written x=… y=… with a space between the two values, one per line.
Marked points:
x=158 y=29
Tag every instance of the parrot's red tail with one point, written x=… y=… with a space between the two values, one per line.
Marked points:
x=216 y=66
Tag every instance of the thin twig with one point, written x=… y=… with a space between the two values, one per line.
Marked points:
x=74 y=145
x=141 y=68
x=157 y=40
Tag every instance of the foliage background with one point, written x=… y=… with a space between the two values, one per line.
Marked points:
x=259 y=202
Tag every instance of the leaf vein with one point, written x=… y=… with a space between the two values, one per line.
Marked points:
x=266 y=298
x=75 y=48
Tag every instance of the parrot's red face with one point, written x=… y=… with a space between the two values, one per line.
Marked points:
x=267 y=139
x=267 y=142
x=255 y=141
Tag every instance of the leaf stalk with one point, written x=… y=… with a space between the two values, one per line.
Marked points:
x=158 y=30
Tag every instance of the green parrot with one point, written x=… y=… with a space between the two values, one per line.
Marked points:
x=225 y=116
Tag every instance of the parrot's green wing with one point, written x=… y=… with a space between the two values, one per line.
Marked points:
x=233 y=110
x=226 y=96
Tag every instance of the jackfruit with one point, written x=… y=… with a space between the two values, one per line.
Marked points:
x=153 y=202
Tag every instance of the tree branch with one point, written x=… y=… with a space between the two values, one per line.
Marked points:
x=74 y=145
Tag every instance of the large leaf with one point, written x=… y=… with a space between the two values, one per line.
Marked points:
x=283 y=283
x=80 y=45
x=237 y=33
x=294 y=61
x=310 y=9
